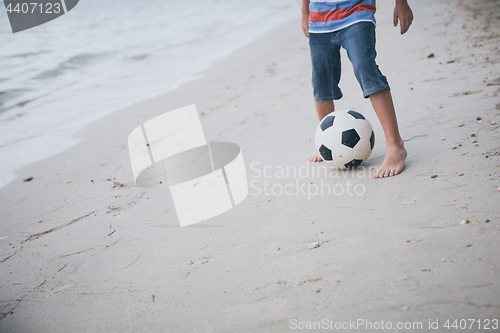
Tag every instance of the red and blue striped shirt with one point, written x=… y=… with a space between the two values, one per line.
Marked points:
x=333 y=15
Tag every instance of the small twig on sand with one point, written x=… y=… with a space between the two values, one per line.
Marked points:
x=67 y=255
x=133 y=261
x=415 y=281
x=5 y=314
x=35 y=236
x=41 y=284
x=457 y=186
x=116 y=241
x=202 y=248
x=5 y=259
x=112 y=232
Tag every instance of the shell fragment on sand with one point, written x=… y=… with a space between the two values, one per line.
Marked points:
x=464 y=221
x=314 y=245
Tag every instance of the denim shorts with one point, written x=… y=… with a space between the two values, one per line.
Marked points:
x=359 y=42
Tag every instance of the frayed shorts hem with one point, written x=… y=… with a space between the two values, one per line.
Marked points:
x=326 y=99
x=368 y=92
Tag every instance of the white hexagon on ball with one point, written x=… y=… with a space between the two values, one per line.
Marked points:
x=344 y=139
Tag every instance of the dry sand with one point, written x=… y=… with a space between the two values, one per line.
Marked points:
x=84 y=249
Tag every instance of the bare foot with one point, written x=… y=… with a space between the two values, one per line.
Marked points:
x=394 y=162
x=314 y=157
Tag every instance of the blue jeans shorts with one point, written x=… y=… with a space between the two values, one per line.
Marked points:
x=359 y=42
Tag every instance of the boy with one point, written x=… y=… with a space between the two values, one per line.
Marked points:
x=331 y=24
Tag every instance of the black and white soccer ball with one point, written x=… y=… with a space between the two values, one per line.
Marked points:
x=344 y=139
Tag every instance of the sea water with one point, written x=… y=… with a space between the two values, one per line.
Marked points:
x=105 y=54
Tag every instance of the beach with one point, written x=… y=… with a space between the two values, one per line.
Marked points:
x=85 y=249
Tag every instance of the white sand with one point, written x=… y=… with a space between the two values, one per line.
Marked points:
x=118 y=261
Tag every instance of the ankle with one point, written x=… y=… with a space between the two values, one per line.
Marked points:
x=397 y=143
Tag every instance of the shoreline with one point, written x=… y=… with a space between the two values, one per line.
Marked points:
x=25 y=127
x=87 y=249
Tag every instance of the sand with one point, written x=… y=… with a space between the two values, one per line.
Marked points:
x=84 y=249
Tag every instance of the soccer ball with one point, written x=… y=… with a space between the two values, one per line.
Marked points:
x=344 y=139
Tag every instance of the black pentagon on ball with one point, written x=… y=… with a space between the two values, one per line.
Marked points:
x=350 y=138
x=327 y=122
x=355 y=114
x=325 y=153
x=372 y=140
x=354 y=163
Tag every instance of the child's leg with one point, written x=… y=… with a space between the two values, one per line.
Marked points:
x=322 y=109
x=359 y=41
x=396 y=153
x=325 y=59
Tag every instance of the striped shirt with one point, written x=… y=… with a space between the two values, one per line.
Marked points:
x=333 y=15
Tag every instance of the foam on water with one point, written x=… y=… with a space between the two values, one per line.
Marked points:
x=105 y=54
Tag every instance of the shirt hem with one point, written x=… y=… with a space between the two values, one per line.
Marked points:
x=342 y=27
